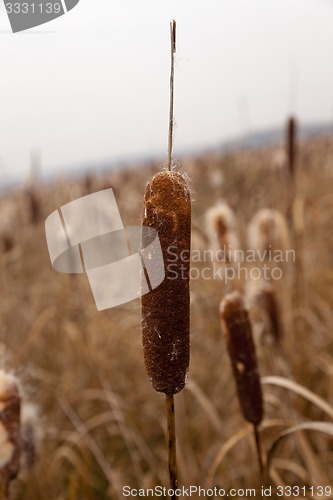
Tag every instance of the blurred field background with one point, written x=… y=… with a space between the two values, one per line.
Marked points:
x=98 y=423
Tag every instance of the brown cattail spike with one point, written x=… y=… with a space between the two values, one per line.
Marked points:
x=9 y=430
x=291 y=145
x=221 y=225
x=237 y=329
x=267 y=300
x=268 y=230
x=166 y=310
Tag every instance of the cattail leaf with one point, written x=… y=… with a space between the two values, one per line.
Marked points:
x=300 y=390
x=224 y=450
x=288 y=465
x=244 y=432
x=324 y=427
x=206 y=405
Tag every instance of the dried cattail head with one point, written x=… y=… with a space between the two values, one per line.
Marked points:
x=31 y=433
x=265 y=310
x=166 y=310
x=9 y=428
x=216 y=178
x=268 y=230
x=34 y=205
x=221 y=229
x=237 y=329
x=9 y=222
x=8 y=241
x=266 y=299
x=88 y=184
x=279 y=159
x=291 y=145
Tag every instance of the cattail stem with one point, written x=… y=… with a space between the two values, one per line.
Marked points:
x=171 y=434
x=172 y=87
x=166 y=309
x=259 y=451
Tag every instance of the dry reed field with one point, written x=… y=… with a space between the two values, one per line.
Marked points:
x=90 y=422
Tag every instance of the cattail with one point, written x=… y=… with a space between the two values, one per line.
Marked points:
x=88 y=184
x=8 y=242
x=291 y=145
x=166 y=310
x=267 y=301
x=267 y=231
x=31 y=434
x=10 y=407
x=221 y=229
x=237 y=329
x=9 y=222
x=34 y=205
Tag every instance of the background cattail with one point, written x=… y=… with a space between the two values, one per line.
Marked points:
x=221 y=229
x=263 y=298
x=31 y=434
x=237 y=329
x=166 y=310
x=268 y=230
x=10 y=407
x=34 y=205
x=291 y=145
x=9 y=223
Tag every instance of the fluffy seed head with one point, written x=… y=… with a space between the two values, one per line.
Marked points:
x=267 y=230
x=237 y=330
x=221 y=229
x=31 y=433
x=9 y=427
x=267 y=301
x=166 y=310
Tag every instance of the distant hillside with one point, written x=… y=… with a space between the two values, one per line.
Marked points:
x=269 y=137
x=257 y=139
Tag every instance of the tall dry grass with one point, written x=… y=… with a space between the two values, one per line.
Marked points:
x=102 y=428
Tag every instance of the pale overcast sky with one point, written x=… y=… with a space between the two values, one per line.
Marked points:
x=95 y=84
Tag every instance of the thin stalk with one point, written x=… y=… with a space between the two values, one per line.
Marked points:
x=172 y=88
x=171 y=435
x=259 y=451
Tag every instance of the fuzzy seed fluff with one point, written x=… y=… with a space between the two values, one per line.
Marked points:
x=10 y=407
x=221 y=230
x=268 y=230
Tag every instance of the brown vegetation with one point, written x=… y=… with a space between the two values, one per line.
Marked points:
x=84 y=369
